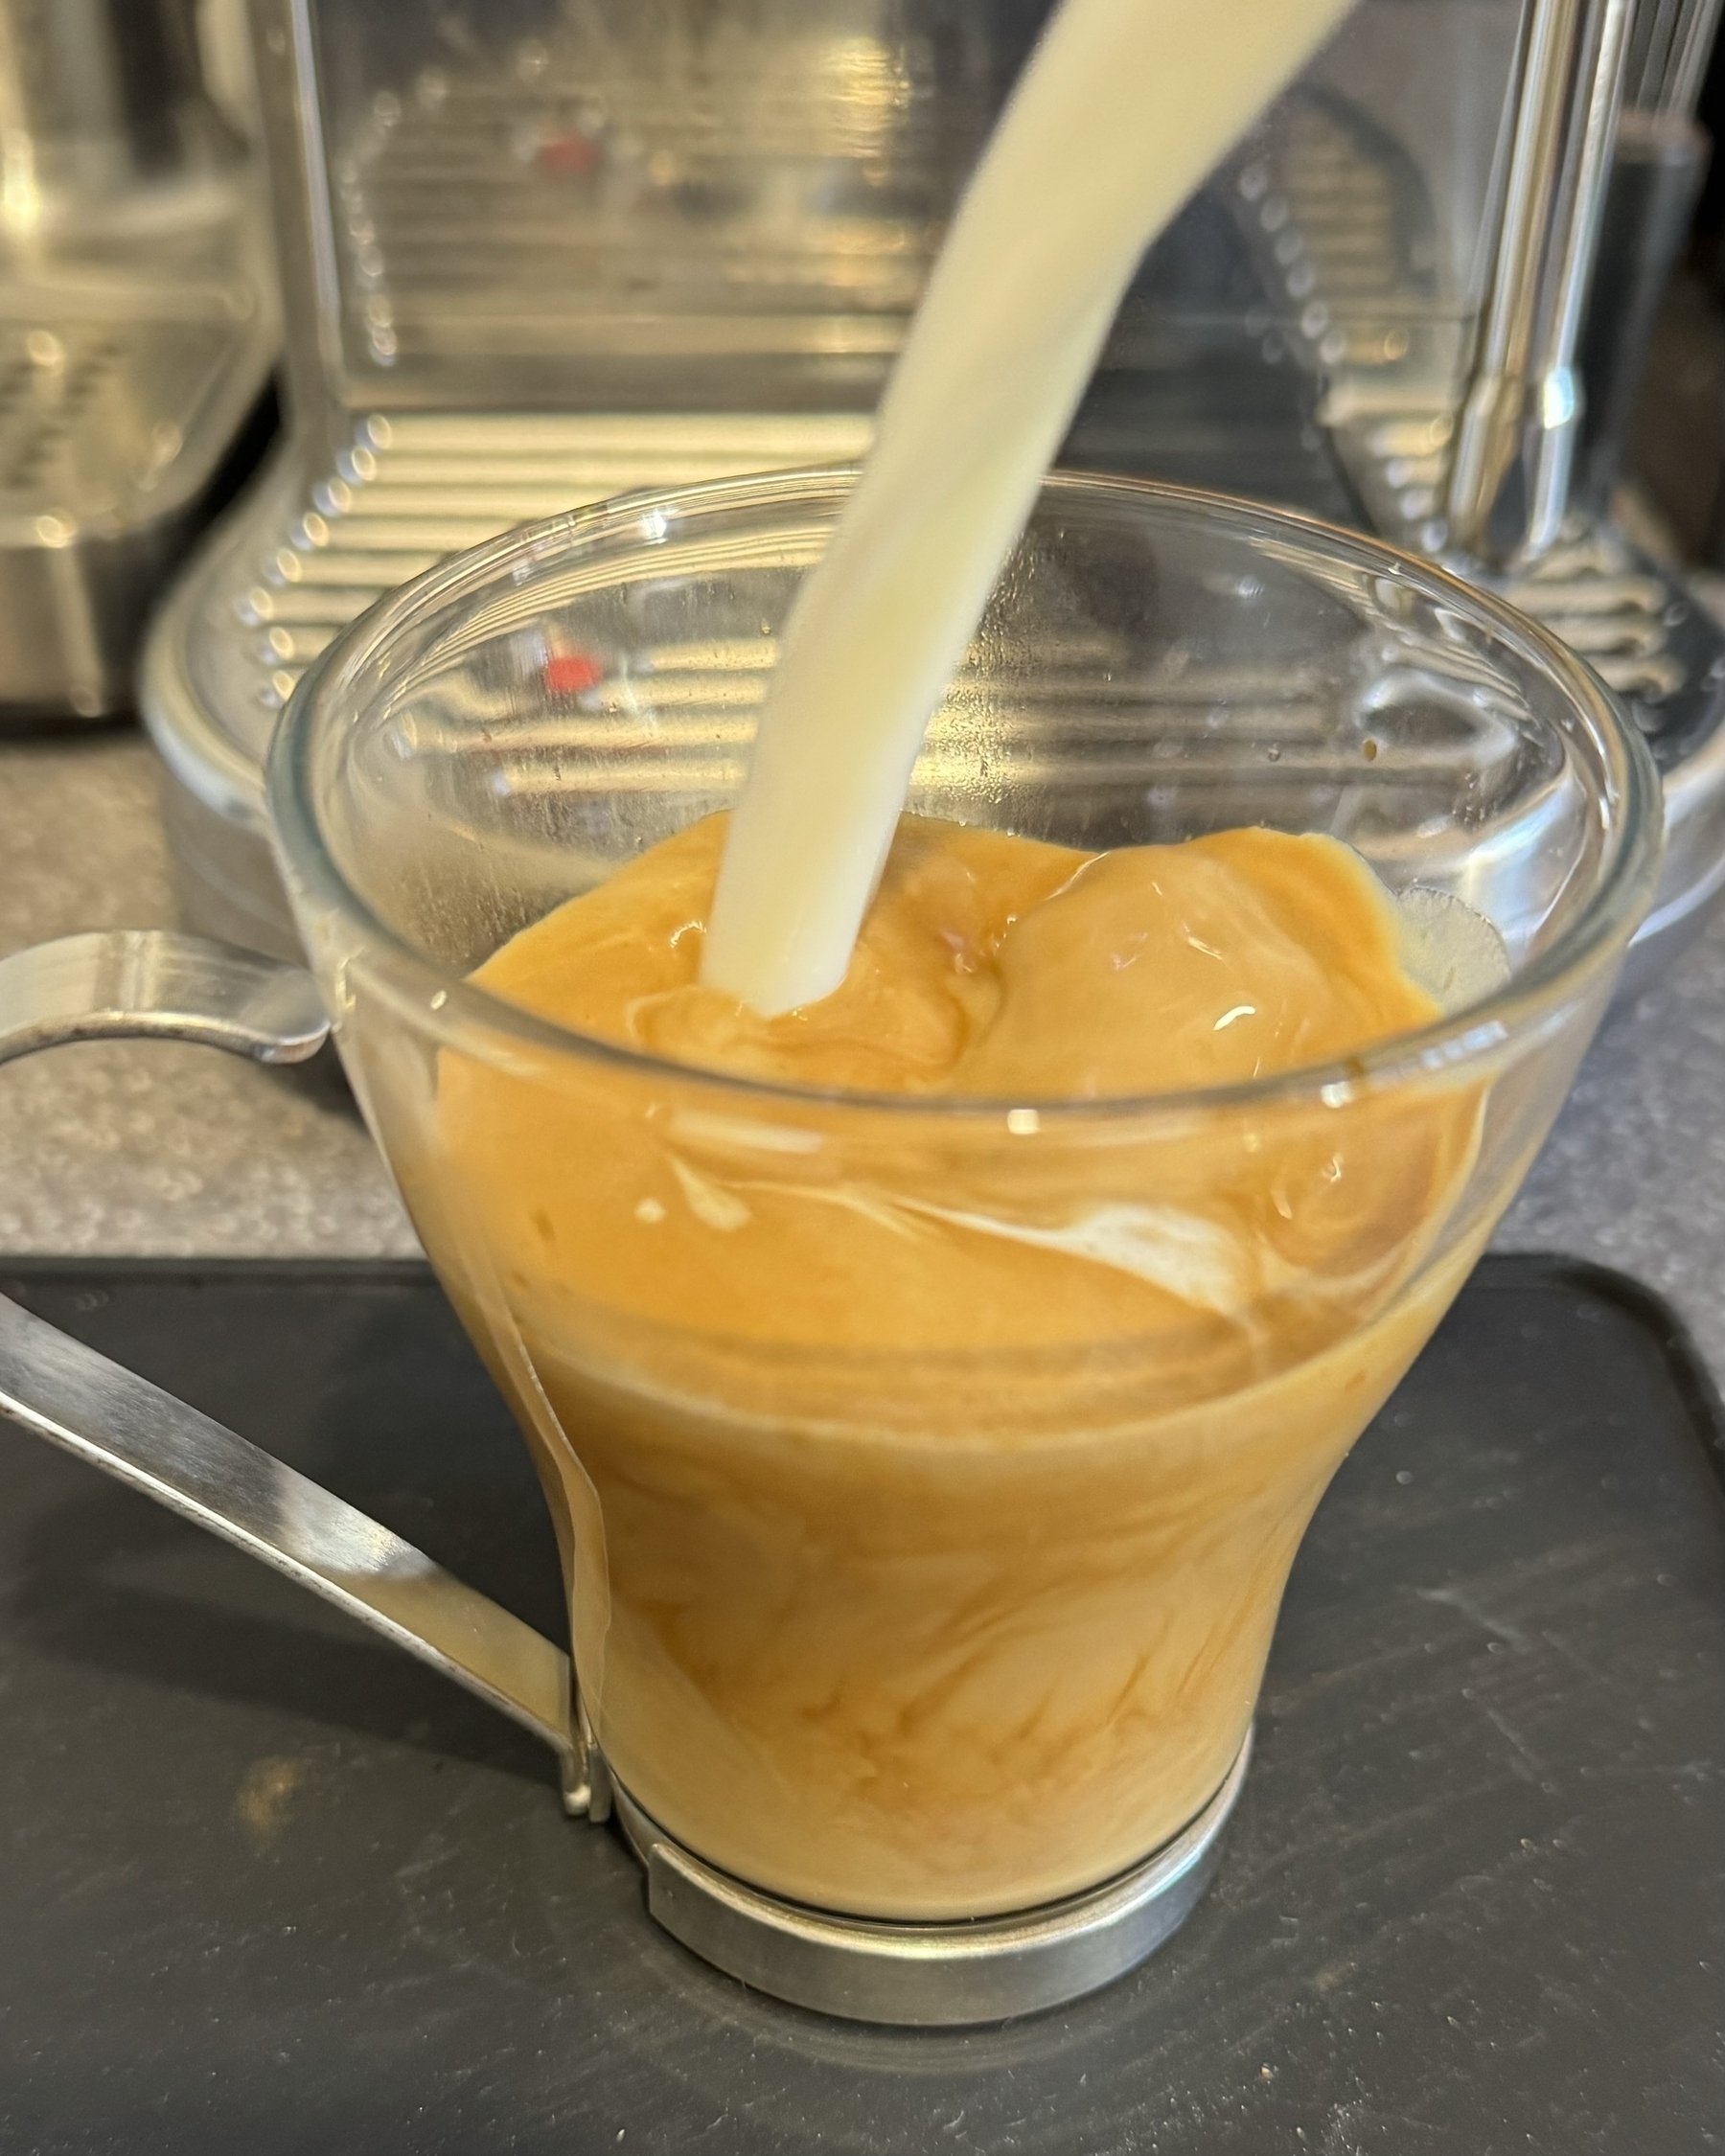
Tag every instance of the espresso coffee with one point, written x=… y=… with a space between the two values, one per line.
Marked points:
x=928 y=1486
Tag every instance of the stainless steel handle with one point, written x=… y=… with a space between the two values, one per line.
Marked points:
x=149 y=981
x=144 y=1437
x=134 y=982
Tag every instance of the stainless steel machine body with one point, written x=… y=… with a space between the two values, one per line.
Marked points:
x=538 y=252
x=137 y=327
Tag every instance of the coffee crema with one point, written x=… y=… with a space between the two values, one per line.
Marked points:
x=928 y=1474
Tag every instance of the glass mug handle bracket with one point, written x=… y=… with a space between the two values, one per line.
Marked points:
x=155 y=983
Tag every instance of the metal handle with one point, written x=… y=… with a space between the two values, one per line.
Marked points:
x=135 y=983
x=149 y=981
x=151 y=1441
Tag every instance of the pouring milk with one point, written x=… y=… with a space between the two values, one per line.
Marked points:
x=1123 y=108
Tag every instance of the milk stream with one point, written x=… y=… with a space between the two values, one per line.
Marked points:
x=1123 y=108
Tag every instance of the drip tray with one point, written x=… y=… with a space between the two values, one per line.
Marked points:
x=270 y=1886
x=121 y=394
x=317 y=541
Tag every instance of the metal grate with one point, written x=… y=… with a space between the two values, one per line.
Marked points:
x=656 y=191
x=52 y=383
x=1642 y=630
x=313 y=552
x=95 y=414
x=1343 y=234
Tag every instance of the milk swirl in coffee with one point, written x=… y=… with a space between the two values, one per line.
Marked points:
x=942 y=1483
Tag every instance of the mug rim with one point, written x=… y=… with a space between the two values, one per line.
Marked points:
x=451 y=1006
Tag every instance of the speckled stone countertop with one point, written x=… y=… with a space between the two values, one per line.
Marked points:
x=154 y=1148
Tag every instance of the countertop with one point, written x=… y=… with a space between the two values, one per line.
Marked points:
x=148 y=1148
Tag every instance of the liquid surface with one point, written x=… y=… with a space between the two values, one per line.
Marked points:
x=991 y=965
x=1123 y=108
x=929 y=1482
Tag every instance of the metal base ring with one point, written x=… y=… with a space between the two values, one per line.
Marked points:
x=929 y=1976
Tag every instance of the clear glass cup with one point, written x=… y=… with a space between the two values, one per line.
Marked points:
x=883 y=1613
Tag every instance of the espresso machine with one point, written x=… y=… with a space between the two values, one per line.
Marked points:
x=137 y=324
x=537 y=253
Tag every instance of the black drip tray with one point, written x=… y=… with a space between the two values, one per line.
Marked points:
x=267 y=1885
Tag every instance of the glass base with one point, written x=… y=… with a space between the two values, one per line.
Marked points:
x=931 y=1976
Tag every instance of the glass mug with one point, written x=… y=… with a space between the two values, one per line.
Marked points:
x=886 y=1628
